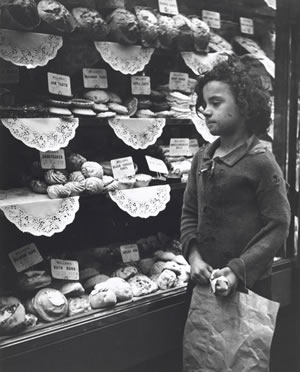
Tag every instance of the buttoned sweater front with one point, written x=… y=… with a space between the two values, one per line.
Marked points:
x=235 y=209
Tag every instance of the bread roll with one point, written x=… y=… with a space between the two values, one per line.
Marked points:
x=92 y=169
x=119 y=286
x=125 y=272
x=12 y=318
x=102 y=297
x=78 y=305
x=122 y=26
x=167 y=279
x=50 y=304
x=94 y=185
x=141 y=285
x=54 y=177
x=89 y=21
x=148 y=26
x=58 y=191
x=74 y=162
x=56 y=16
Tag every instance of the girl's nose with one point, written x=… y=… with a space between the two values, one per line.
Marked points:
x=207 y=111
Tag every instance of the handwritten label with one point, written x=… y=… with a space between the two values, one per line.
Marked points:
x=178 y=81
x=130 y=253
x=122 y=167
x=193 y=146
x=213 y=19
x=25 y=257
x=156 y=165
x=140 y=85
x=59 y=84
x=168 y=6
x=247 y=25
x=94 y=78
x=9 y=73
x=64 y=269
x=53 y=159
x=179 y=146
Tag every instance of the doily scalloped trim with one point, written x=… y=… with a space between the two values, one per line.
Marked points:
x=202 y=63
x=138 y=133
x=143 y=202
x=45 y=134
x=128 y=60
x=27 y=48
x=48 y=225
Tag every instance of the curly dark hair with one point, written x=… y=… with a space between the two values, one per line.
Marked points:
x=251 y=97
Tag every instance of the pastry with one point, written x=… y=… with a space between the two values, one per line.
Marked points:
x=107 y=180
x=100 y=107
x=126 y=183
x=125 y=272
x=132 y=105
x=142 y=180
x=122 y=26
x=50 y=304
x=58 y=191
x=38 y=186
x=59 y=111
x=58 y=103
x=114 y=98
x=173 y=266
x=12 y=318
x=141 y=285
x=93 y=185
x=185 y=37
x=157 y=268
x=71 y=289
x=218 y=44
x=119 y=109
x=76 y=176
x=8 y=301
x=96 y=95
x=91 y=282
x=89 y=21
x=201 y=34
x=74 y=162
x=145 y=265
x=145 y=114
x=82 y=103
x=102 y=297
x=33 y=279
x=144 y=103
x=106 y=115
x=75 y=188
x=148 y=26
x=78 y=305
x=92 y=169
x=249 y=46
x=83 y=111
x=119 y=286
x=167 y=32
x=56 y=16
x=167 y=279
x=30 y=320
x=20 y=15
x=54 y=177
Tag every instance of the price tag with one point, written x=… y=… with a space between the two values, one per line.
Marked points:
x=25 y=257
x=168 y=6
x=179 y=147
x=140 y=85
x=94 y=78
x=178 y=81
x=156 y=165
x=247 y=25
x=194 y=146
x=130 y=253
x=59 y=84
x=122 y=167
x=64 y=269
x=213 y=19
x=9 y=73
x=53 y=159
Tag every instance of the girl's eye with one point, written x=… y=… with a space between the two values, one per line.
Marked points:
x=215 y=103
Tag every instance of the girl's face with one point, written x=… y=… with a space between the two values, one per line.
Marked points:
x=223 y=116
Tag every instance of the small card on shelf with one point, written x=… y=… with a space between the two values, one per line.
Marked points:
x=213 y=19
x=64 y=269
x=53 y=159
x=130 y=253
x=178 y=81
x=140 y=85
x=168 y=6
x=94 y=78
x=122 y=167
x=156 y=165
x=25 y=257
x=59 y=84
x=179 y=147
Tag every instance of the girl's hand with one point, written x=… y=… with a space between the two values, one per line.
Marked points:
x=200 y=270
x=232 y=281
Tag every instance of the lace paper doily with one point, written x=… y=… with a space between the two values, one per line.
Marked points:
x=202 y=63
x=44 y=217
x=27 y=48
x=142 y=202
x=138 y=133
x=126 y=59
x=45 y=134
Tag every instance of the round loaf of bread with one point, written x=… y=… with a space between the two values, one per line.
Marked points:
x=123 y=27
x=148 y=26
x=92 y=169
x=54 y=177
x=50 y=304
x=125 y=272
x=102 y=297
x=38 y=186
x=141 y=285
x=56 y=16
x=58 y=191
x=94 y=185
x=74 y=162
x=91 y=282
x=119 y=286
x=78 y=305
x=90 y=22
x=201 y=34
x=167 y=32
x=167 y=279
x=76 y=176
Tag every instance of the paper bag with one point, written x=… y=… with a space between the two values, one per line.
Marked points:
x=231 y=334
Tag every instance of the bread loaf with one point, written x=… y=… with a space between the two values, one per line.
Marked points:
x=20 y=15
x=122 y=26
x=89 y=21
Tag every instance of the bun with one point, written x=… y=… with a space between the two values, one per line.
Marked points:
x=54 y=177
x=50 y=304
x=56 y=16
x=125 y=272
x=92 y=169
x=201 y=34
x=90 y=22
x=12 y=318
x=91 y=282
x=167 y=279
x=76 y=176
x=102 y=297
x=38 y=186
x=78 y=305
x=148 y=26
x=119 y=286
x=122 y=26
x=184 y=37
x=58 y=191
x=142 y=285
x=93 y=185
x=71 y=289
x=74 y=162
